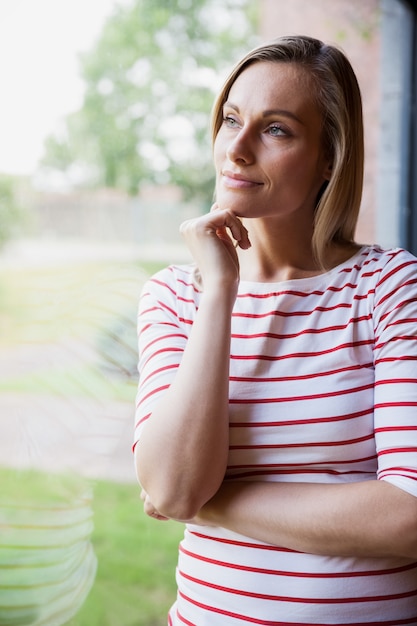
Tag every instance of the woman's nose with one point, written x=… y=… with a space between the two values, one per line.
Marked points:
x=240 y=148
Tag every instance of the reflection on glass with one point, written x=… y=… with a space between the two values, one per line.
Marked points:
x=67 y=386
x=47 y=561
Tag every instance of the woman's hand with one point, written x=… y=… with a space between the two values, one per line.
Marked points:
x=212 y=240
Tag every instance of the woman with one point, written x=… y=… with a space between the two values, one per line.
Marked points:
x=278 y=377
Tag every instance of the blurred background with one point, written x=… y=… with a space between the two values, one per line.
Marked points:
x=104 y=151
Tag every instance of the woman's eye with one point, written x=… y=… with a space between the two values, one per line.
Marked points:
x=230 y=121
x=276 y=130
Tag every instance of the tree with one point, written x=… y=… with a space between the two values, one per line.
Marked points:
x=150 y=81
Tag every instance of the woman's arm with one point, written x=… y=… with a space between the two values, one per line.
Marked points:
x=372 y=518
x=182 y=453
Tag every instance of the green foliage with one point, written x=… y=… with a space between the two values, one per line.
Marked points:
x=11 y=214
x=150 y=82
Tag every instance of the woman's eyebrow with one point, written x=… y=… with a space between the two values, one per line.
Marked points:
x=283 y=113
x=268 y=112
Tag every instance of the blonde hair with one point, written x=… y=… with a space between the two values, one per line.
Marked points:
x=338 y=97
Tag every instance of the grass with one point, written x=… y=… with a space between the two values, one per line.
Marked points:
x=46 y=304
x=84 y=380
x=135 y=581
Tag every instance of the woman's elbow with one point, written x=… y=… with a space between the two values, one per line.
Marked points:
x=171 y=496
x=180 y=507
x=174 y=502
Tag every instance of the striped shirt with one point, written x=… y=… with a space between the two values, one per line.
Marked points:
x=323 y=388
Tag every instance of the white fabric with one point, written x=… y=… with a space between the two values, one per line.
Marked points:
x=323 y=388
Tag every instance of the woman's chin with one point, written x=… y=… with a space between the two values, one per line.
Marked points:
x=239 y=206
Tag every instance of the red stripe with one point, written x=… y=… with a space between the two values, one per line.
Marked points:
x=245 y=618
x=275 y=379
x=306 y=331
x=188 y=284
x=394 y=294
x=151 y=393
x=391 y=429
x=149 y=310
x=251 y=620
x=284 y=292
x=143 y=419
x=303 y=294
x=165 y=307
x=156 y=281
x=186 y=300
x=312 y=420
x=328 y=394
x=158 y=371
x=162 y=351
x=297 y=600
x=404 y=320
x=394 y=359
x=308 y=466
x=263 y=357
x=389 y=405
x=395 y=270
x=296 y=472
x=391 y=381
x=289 y=574
x=185 y=320
x=163 y=338
x=245 y=544
x=275 y=313
x=401 y=469
x=307 y=444
x=378 y=346
x=160 y=322
x=184 y=620
x=397 y=450
x=404 y=474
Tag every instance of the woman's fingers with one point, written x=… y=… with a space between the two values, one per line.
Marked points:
x=240 y=234
x=218 y=222
x=238 y=230
x=212 y=239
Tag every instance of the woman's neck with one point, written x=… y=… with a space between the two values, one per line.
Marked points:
x=277 y=255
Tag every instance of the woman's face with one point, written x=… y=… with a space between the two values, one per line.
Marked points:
x=268 y=153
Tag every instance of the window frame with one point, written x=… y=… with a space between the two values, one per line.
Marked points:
x=409 y=171
x=396 y=213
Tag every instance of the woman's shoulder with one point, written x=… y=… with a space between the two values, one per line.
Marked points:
x=174 y=272
x=174 y=279
x=385 y=260
x=383 y=271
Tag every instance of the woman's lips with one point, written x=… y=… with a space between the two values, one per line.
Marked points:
x=237 y=181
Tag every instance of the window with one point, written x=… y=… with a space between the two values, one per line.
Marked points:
x=397 y=186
